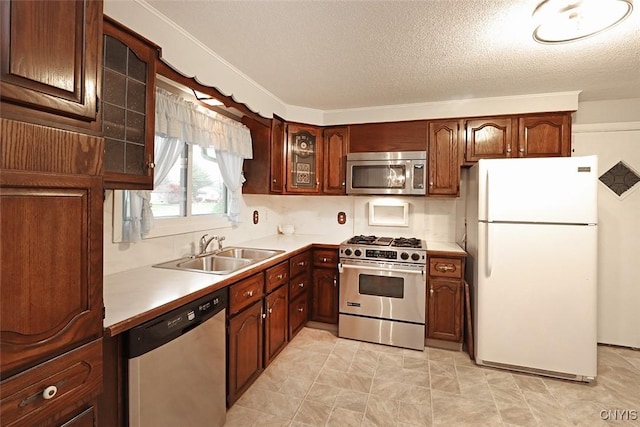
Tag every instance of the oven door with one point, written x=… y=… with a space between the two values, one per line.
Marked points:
x=383 y=290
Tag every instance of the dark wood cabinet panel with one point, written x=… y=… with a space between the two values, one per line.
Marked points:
x=277 y=276
x=276 y=325
x=544 y=135
x=388 y=136
x=304 y=159
x=68 y=381
x=325 y=258
x=298 y=314
x=277 y=155
x=300 y=263
x=246 y=292
x=336 y=147
x=51 y=244
x=298 y=285
x=445 y=298
x=444 y=161
x=50 y=60
x=245 y=351
x=324 y=307
x=128 y=107
x=86 y=418
x=489 y=138
x=445 y=310
x=256 y=170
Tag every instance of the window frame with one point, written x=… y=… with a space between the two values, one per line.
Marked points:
x=171 y=226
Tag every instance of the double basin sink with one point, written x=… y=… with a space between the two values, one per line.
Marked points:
x=224 y=261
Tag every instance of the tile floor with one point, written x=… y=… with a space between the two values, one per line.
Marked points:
x=322 y=380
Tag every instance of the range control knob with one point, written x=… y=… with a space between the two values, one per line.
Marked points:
x=347 y=252
x=358 y=252
x=415 y=257
x=404 y=255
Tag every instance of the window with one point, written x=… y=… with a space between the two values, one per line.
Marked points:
x=194 y=173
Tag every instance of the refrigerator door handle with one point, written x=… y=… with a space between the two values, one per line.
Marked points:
x=489 y=261
x=487 y=200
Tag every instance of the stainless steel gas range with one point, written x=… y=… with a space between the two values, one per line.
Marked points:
x=383 y=290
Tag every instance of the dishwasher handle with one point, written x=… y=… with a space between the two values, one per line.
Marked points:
x=169 y=326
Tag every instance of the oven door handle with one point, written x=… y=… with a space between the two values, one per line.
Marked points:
x=342 y=266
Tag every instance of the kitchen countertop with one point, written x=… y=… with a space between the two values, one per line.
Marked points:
x=134 y=296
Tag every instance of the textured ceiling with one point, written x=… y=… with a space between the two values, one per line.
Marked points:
x=331 y=55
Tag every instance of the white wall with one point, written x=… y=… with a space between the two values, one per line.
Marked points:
x=611 y=130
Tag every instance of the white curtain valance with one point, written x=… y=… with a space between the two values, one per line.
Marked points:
x=188 y=122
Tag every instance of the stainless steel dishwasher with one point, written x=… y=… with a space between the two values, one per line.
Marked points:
x=177 y=366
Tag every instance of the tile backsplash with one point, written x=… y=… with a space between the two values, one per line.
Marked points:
x=429 y=218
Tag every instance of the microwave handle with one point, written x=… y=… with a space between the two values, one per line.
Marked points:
x=418 y=176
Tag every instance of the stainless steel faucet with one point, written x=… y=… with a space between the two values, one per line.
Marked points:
x=204 y=243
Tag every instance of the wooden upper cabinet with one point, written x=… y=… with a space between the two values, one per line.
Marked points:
x=336 y=147
x=277 y=155
x=50 y=60
x=444 y=161
x=544 y=135
x=489 y=138
x=128 y=107
x=51 y=245
x=256 y=170
x=388 y=136
x=304 y=159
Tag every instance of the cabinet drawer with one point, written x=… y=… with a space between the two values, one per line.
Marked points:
x=246 y=292
x=325 y=258
x=300 y=263
x=52 y=387
x=277 y=275
x=445 y=267
x=299 y=285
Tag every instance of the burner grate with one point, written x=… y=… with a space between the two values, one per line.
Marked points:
x=407 y=242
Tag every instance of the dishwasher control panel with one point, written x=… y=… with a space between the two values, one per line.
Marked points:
x=154 y=333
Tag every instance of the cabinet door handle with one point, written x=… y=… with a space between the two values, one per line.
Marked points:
x=248 y=294
x=279 y=276
x=431 y=291
x=445 y=267
x=324 y=260
x=302 y=264
x=49 y=392
x=335 y=281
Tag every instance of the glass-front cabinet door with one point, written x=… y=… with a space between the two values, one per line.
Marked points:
x=304 y=159
x=128 y=107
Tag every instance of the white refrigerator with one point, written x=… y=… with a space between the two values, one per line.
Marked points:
x=532 y=243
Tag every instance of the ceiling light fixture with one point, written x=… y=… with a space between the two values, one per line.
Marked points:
x=207 y=99
x=561 y=21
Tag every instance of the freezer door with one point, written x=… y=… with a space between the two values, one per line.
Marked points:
x=536 y=297
x=546 y=190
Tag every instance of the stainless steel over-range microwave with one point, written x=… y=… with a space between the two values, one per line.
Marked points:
x=402 y=172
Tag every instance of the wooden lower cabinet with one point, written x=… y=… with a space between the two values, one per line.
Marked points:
x=298 y=314
x=52 y=392
x=276 y=323
x=324 y=307
x=445 y=292
x=445 y=310
x=245 y=351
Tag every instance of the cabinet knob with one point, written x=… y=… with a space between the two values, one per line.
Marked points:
x=508 y=148
x=335 y=281
x=431 y=291
x=430 y=183
x=522 y=149
x=49 y=392
x=344 y=184
x=270 y=310
x=248 y=294
x=279 y=277
x=300 y=309
x=302 y=264
x=301 y=284
x=324 y=260
x=275 y=180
